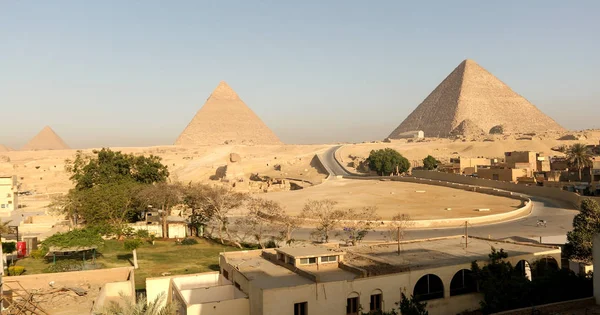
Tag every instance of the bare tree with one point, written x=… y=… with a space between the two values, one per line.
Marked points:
x=218 y=202
x=263 y=214
x=325 y=214
x=193 y=198
x=286 y=224
x=358 y=223
x=162 y=196
x=400 y=223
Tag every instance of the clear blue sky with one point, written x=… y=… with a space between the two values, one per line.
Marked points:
x=121 y=73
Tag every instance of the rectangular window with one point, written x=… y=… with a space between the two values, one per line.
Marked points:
x=352 y=306
x=375 y=304
x=301 y=308
x=226 y=274
x=291 y=261
x=2 y=206
x=328 y=258
x=306 y=261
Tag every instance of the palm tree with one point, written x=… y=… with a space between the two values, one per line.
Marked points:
x=579 y=157
x=128 y=307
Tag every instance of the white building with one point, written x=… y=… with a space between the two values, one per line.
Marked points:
x=320 y=280
x=8 y=195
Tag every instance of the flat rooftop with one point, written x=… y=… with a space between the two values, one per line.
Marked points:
x=267 y=273
x=309 y=251
x=422 y=254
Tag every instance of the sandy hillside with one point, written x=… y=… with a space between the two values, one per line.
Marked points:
x=487 y=146
x=43 y=171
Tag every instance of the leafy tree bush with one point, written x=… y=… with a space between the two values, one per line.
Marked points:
x=505 y=287
x=189 y=241
x=9 y=247
x=109 y=166
x=76 y=238
x=586 y=224
x=579 y=157
x=37 y=253
x=430 y=163
x=412 y=306
x=385 y=161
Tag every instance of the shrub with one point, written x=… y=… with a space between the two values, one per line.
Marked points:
x=142 y=234
x=189 y=241
x=131 y=244
x=64 y=265
x=16 y=270
x=37 y=253
x=430 y=163
x=9 y=247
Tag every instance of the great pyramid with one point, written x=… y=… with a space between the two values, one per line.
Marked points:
x=47 y=139
x=472 y=93
x=225 y=119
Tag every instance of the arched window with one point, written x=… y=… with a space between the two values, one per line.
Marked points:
x=525 y=269
x=463 y=282
x=545 y=266
x=352 y=304
x=429 y=287
x=376 y=303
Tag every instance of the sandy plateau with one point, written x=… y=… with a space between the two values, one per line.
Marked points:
x=44 y=173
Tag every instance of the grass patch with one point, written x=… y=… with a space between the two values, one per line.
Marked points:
x=153 y=260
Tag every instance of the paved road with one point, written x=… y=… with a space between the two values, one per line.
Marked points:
x=558 y=215
x=328 y=159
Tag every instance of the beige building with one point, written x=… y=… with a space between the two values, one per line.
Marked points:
x=501 y=173
x=320 y=280
x=465 y=166
x=8 y=194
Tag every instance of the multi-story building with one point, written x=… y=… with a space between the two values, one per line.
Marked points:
x=8 y=194
x=320 y=280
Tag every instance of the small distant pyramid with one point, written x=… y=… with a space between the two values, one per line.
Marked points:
x=47 y=139
x=226 y=119
x=471 y=93
x=4 y=148
x=467 y=128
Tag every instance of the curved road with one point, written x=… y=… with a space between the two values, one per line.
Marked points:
x=559 y=217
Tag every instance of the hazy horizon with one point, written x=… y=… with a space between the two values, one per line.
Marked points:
x=123 y=74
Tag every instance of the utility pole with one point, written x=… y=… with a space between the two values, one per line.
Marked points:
x=398 y=241
x=466 y=234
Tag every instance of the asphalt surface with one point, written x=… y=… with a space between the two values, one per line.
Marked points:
x=559 y=218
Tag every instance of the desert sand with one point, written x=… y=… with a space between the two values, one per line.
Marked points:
x=417 y=200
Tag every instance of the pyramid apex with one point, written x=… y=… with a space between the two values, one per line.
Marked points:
x=469 y=62
x=224 y=92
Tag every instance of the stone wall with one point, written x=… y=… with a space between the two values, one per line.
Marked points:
x=539 y=191
x=553 y=308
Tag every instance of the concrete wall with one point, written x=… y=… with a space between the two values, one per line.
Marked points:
x=539 y=191
x=503 y=174
x=94 y=277
x=231 y=307
x=175 y=230
x=554 y=308
x=114 y=291
x=156 y=286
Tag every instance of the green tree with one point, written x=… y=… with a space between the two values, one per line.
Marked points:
x=579 y=157
x=77 y=238
x=430 y=163
x=503 y=286
x=412 y=306
x=586 y=224
x=108 y=166
x=387 y=161
x=133 y=244
x=193 y=198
